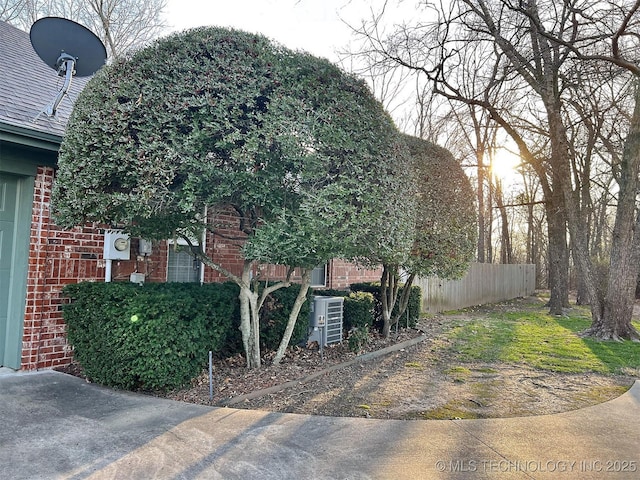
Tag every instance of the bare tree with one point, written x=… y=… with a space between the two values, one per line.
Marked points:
x=506 y=250
x=607 y=33
x=11 y=10
x=122 y=25
x=465 y=129
x=538 y=45
x=454 y=50
x=479 y=133
x=126 y=24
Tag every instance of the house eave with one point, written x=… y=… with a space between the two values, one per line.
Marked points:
x=29 y=137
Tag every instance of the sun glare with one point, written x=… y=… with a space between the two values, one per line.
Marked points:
x=504 y=165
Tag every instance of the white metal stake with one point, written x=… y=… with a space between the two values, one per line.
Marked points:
x=210 y=375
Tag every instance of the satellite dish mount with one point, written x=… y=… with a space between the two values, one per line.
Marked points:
x=66 y=66
x=69 y=48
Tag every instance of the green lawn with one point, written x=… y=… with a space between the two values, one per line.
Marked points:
x=535 y=338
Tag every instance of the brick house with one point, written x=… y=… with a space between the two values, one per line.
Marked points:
x=37 y=258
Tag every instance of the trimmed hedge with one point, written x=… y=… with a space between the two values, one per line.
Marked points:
x=358 y=310
x=275 y=315
x=157 y=336
x=154 y=336
x=414 y=308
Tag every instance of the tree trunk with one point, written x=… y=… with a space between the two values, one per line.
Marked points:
x=250 y=326
x=480 y=196
x=489 y=222
x=389 y=286
x=582 y=297
x=615 y=321
x=558 y=258
x=245 y=323
x=582 y=259
x=251 y=302
x=506 y=252
x=582 y=289
x=557 y=206
x=530 y=234
x=249 y=319
x=404 y=299
x=293 y=315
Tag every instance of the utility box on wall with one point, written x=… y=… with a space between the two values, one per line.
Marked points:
x=325 y=321
x=145 y=247
x=116 y=245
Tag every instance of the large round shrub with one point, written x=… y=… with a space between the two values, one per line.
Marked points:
x=211 y=119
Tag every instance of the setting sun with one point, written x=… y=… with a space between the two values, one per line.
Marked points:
x=504 y=165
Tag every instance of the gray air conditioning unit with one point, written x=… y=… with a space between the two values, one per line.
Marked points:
x=325 y=321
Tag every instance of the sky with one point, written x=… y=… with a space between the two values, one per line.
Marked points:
x=316 y=26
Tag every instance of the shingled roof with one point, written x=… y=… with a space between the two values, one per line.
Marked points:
x=27 y=86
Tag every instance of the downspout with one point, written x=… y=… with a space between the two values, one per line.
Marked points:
x=204 y=245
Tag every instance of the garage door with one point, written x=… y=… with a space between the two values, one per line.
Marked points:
x=8 y=208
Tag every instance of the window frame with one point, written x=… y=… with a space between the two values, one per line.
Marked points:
x=180 y=242
x=324 y=276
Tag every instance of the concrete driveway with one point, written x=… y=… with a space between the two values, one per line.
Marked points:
x=55 y=426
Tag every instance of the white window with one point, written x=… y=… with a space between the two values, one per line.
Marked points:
x=181 y=265
x=319 y=276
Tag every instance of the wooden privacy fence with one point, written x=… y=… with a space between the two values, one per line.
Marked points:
x=483 y=283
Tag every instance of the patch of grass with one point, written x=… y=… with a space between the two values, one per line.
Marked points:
x=453 y=312
x=479 y=340
x=599 y=394
x=542 y=341
x=452 y=410
x=417 y=365
x=486 y=370
x=459 y=374
x=485 y=392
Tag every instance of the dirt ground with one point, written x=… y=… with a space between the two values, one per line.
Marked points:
x=416 y=382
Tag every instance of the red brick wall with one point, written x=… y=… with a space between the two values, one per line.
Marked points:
x=224 y=247
x=154 y=266
x=341 y=274
x=58 y=257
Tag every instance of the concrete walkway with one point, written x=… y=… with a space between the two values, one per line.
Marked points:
x=55 y=426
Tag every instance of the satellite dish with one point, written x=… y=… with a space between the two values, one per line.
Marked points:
x=69 y=48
